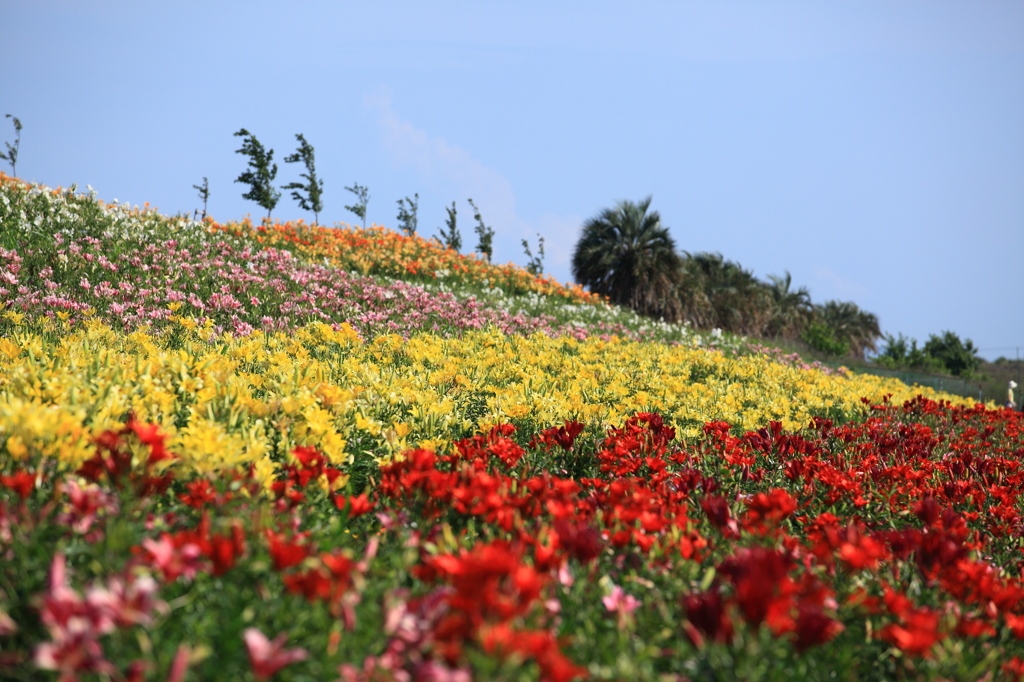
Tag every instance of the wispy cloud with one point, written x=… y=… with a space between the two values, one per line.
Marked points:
x=449 y=170
x=832 y=285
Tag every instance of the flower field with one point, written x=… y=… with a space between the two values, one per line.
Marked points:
x=377 y=250
x=253 y=453
x=68 y=256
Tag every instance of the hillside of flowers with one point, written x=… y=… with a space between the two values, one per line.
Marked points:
x=66 y=255
x=379 y=251
x=261 y=453
x=227 y=401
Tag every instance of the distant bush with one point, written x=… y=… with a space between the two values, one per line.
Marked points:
x=960 y=358
x=901 y=352
x=822 y=338
x=946 y=353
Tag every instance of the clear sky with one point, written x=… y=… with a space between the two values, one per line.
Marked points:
x=873 y=149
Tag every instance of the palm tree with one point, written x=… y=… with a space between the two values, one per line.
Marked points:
x=791 y=310
x=626 y=254
x=849 y=323
x=693 y=291
x=716 y=292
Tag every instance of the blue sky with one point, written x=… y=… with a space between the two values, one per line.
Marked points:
x=873 y=149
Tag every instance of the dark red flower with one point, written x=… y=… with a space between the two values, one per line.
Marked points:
x=310 y=460
x=773 y=506
x=225 y=549
x=717 y=510
x=312 y=584
x=285 y=553
x=562 y=436
x=579 y=539
x=152 y=436
x=706 y=617
x=813 y=627
x=860 y=551
x=22 y=483
x=356 y=506
x=928 y=511
x=200 y=492
x=758 y=574
x=916 y=633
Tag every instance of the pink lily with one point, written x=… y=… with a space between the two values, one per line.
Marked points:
x=266 y=656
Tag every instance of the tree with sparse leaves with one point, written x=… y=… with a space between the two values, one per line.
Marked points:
x=12 y=150
x=451 y=238
x=485 y=244
x=314 y=190
x=204 y=194
x=363 y=198
x=407 y=210
x=261 y=173
x=535 y=266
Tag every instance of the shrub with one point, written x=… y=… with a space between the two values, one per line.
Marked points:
x=821 y=338
x=960 y=358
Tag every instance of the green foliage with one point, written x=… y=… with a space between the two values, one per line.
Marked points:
x=12 y=150
x=312 y=200
x=451 y=238
x=626 y=254
x=485 y=245
x=204 y=193
x=535 y=266
x=407 y=218
x=717 y=293
x=946 y=353
x=1002 y=361
x=362 y=199
x=261 y=173
x=822 y=338
x=69 y=214
x=790 y=310
x=857 y=328
x=897 y=353
x=960 y=358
